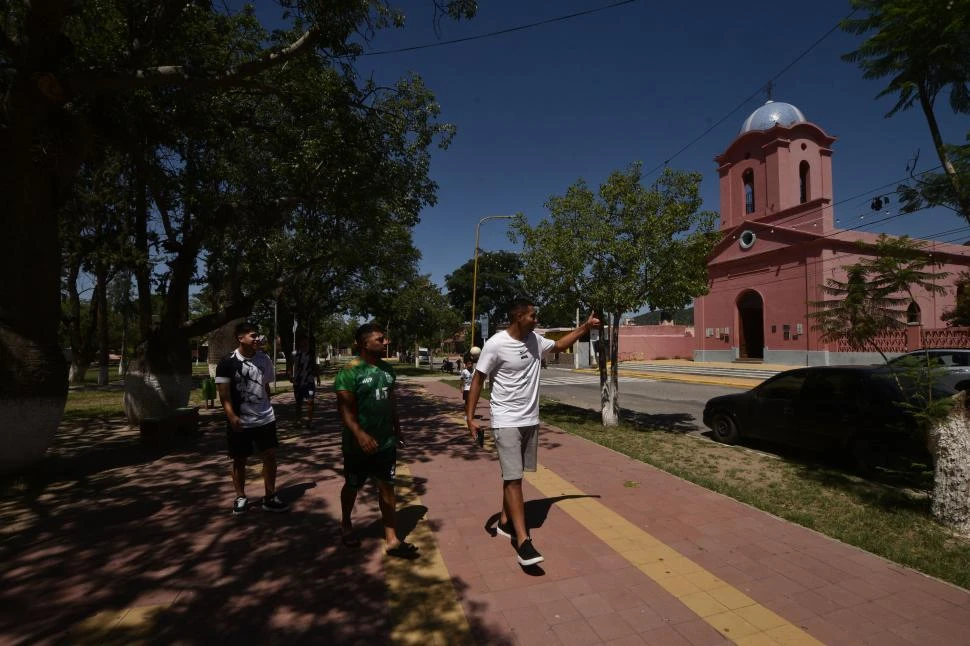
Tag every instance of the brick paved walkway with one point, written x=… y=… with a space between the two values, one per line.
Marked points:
x=110 y=543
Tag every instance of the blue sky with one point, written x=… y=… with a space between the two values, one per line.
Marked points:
x=539 y=108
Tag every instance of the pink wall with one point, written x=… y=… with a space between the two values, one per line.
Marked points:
x=791 y=248
x=646 y=342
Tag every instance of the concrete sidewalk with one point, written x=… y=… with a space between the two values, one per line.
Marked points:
x=110 y=543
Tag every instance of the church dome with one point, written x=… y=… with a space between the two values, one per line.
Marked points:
x=771 y=113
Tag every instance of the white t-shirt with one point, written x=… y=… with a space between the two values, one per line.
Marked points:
x=265 y=364
x=466 y=379
x=513 y=367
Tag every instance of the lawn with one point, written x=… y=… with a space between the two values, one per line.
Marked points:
x=889 y=520
x=107 y=401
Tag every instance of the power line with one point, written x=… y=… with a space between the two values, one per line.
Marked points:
x=614 y=5
x=808 y=264
x=751 y=96
x=509 y=30
x=847 y=254
x=878 y=189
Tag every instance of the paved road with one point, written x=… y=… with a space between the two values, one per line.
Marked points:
x=716 y=370
x=677 y=405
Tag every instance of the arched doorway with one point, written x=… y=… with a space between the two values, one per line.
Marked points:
x=751 y=326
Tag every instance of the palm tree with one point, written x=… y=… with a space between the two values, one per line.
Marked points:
x=924 y=47
x=858 y=310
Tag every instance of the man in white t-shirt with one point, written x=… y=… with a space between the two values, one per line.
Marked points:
x=511 y=359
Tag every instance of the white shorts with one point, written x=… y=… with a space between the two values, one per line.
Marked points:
x=518 y=448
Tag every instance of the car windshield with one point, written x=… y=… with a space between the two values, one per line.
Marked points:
x=936 y=358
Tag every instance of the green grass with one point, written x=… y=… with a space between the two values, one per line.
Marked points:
x=891 y=521
x=84 y=404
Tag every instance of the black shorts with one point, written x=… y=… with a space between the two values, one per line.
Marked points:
x=464 y=395
x=380 y=466
x=241 y=442
x=304 y=391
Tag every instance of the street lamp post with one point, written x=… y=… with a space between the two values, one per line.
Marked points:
x=276 y=334
x=478 y=229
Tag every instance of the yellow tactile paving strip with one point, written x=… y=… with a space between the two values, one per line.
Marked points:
x=728 y=610
x=424 y=608
x=130 y=626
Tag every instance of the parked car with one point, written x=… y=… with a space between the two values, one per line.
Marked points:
x=424 y=357
x=949 y=367
x=854 y=410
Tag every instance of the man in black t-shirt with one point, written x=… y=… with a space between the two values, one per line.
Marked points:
x=244 y=392
x=305 y=376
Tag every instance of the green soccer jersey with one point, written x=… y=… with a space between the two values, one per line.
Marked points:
x=372 y=386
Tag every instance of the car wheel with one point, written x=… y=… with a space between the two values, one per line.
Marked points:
x=963 y=385
x=724 y=428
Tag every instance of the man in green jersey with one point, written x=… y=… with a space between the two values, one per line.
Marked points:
x=372 y=432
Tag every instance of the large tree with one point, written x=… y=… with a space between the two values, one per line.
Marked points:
x=65 y=65
x=923 y=47
x=499 y=282
x=619 y=249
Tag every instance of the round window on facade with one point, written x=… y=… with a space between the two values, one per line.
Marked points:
x=747 y=239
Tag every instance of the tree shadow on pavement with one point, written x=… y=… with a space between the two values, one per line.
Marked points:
x=107 y=541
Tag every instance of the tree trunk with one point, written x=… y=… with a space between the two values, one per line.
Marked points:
x=610 y=396
x=609 y=406
x=103 y=330
x=142 y=267
x=159 y=377
x=78 y=370
x=222 y=341
x=33 y=370
x=82 y=338
x=960 y=193
x=949 y=444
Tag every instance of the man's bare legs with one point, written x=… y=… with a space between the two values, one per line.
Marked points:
x=239 y=476
x=387 y=503
x=269 y=471
x=513 y=508
x=348 y=496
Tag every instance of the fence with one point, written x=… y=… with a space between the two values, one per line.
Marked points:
x=915 y=337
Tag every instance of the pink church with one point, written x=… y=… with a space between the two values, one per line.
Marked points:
x=781 y=243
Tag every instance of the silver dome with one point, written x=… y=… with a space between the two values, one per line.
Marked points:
x=772 y=113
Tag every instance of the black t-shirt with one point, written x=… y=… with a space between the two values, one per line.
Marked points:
x=247 y=389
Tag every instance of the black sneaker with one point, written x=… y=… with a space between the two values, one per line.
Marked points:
x=505 y=529
x=274 y=504
x=240 y=506
x=527 y=554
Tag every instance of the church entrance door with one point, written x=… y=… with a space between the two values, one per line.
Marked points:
x=751 y=328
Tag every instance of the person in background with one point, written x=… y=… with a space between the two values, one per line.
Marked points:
x=265 y=363
x=306 y=375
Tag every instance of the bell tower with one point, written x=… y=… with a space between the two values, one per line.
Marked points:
x=778 y=170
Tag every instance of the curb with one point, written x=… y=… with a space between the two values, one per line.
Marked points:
x=737 y=382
